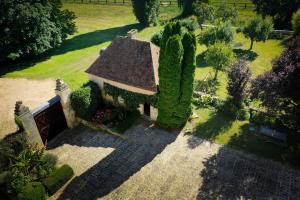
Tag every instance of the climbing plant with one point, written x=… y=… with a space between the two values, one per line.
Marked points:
x=131 y=99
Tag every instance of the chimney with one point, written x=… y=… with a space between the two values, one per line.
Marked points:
x=132 y=33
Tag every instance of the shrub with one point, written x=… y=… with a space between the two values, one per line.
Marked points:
x=243 y=114
x=239 y=75
x=206 y=101
x=146 y=11
x=58 y=178
x=156 y=38
x=220 y=56
x=221 y=33
x=86 y=100
x=44 y=25
x=33 y=191
x=261 y=118
x=296 y=22
x=258 y=29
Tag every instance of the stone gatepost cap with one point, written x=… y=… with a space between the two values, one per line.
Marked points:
x=20 y=108
x=60 y=85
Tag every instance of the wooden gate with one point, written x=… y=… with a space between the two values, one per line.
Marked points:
x=50 y=119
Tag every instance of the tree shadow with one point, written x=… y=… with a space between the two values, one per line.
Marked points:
x=231 y=174
x=75 y=43
x=144 y=142
x=215 y=125
x=245 y=54
x=200 y=61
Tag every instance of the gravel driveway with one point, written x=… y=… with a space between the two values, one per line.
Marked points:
x=32 y=92
x=155 y=164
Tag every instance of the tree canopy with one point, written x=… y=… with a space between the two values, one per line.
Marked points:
x=146 y=11
x=204 y=13
x=221 y=33
x=258 y=29
x=280 y=10
x=296 y=22
x=279 y=88
x=28 y=27
x=188 y=6
x=220 y=56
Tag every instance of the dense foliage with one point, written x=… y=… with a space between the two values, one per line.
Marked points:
x=258 y=29
x=280 y=10
x=220 y=56
x=239 y=75
x=146 y=11
x=29 y=27
x=58 y=178
x=33 y=191
x=156 y=38
x=296 y=22
x=279 y=88
x=132 y=100
x=22 y=163
x=221 y=33
x=204 y=13
x=176 y=75
x=86 y=100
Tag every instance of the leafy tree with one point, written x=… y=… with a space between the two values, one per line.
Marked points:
x=146 y=11
x=258 y=29
x=280 y=10
x=226 y=12
x=279 y=88
x=176 y=75
x=220 y=56
x=204 y=13
x=239 y=75
x=222 y=33
x=296 y=22
x=188 y=6
x=28 y=27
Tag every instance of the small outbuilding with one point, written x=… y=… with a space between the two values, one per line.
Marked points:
x=129 y=64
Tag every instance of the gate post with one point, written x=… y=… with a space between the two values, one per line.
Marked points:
x=64 y=92
x=24 y=118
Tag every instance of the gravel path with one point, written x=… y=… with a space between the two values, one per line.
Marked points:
x=32 y=92
x=155 y=164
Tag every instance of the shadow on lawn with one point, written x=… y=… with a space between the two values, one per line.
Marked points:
x=75 y=43
x=200 y=61
x=143 y=144
x=215 y=125
x=245 y=54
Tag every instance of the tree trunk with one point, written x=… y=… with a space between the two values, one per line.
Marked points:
x=251 y=45
x=216 y=74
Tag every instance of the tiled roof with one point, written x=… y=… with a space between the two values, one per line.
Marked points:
x=129 y=61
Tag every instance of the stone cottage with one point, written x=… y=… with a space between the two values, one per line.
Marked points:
x=129 y=64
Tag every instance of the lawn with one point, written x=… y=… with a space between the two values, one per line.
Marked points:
x=98 y=25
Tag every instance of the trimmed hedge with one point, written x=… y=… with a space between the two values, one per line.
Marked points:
x=86 y=100
x=58 y=178
x=32 y=191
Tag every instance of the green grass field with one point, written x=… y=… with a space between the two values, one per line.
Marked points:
x=98 y=25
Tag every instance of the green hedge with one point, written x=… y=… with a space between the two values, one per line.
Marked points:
x=33 y=191
x=86 y=100
x=58 y=178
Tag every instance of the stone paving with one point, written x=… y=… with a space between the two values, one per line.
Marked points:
x=155 y=164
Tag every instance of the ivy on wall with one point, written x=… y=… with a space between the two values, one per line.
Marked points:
x=131 y=99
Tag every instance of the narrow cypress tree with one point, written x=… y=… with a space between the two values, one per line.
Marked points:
x=169 y=81
x=146 y=11
x=176 y=76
